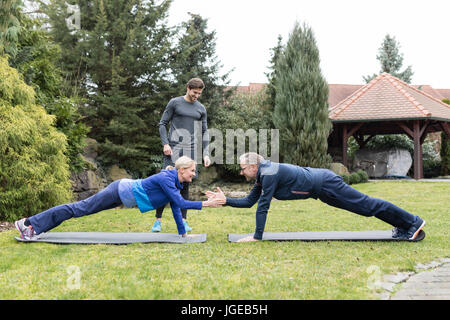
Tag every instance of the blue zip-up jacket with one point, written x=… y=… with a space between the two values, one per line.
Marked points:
x=280 y=181
x=163 y=188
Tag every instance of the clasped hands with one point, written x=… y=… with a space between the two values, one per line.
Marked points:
x=215 y=199
x=218 y=199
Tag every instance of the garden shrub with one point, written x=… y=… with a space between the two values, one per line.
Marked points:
x=445 y=155
x=34 y=172
x=242 y=112
x=346 y=178
x=364 y=177
x=355 y=178
x=431 y=168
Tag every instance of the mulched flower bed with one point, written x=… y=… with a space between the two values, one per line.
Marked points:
x=4 y=226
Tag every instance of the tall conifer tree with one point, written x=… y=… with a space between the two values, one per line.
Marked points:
x=119 y=61
x=9 y=26
x=35 y=59
x=391 y=60
x=195 y=57
x=301 y=102
x=272 y=76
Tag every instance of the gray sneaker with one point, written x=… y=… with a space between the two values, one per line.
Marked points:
x=26 y=233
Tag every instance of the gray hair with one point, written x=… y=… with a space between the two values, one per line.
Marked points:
x=251 y=158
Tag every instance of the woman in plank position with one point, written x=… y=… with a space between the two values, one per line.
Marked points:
x=147 y=194
x=288 y=182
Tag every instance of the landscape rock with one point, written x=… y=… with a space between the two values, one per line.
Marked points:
x=116 y=173
x=339 y=168
x=93 y=179
x=399 y=162
x=380 y=163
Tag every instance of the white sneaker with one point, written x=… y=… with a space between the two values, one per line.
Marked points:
x=26 y=232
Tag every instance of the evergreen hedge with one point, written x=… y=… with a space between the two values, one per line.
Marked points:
x=34 y=172
x=359 y=176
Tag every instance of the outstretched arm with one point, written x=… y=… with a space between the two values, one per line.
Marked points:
x=269 y=185
x=175 y=197
x=165 y=119
x=178 y=219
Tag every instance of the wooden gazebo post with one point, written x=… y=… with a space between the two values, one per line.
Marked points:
x=417 y=151
x=418 y=136
x=344 y=145
x=347 y=132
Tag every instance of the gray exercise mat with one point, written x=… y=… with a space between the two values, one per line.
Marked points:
x=114 y=238
x=375 y=235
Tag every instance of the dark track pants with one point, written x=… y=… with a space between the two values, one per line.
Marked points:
x=107 y=198
x=337 y=193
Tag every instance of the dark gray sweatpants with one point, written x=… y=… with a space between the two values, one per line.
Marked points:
x=335 y=192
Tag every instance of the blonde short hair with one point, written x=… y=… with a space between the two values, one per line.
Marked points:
x=182 y=162
x=251 y=158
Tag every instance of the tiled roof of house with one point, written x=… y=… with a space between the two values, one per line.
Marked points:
x=253 y=87
x=444 y=93
x=339 y=92
x=388 y=98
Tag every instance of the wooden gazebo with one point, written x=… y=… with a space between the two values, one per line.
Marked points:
x=387 y=105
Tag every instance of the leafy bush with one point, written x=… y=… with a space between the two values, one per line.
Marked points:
x=355 y=177
x=445 y=154
x=431 y=168
x=346 y=178
x=34 y=171
x=363 y=175
x=242 y=111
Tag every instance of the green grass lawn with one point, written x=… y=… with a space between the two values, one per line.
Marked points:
x=217 y=269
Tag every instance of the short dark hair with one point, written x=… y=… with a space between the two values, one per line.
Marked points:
x=195 y=83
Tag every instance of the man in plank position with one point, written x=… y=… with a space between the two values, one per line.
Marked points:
x=289 y=182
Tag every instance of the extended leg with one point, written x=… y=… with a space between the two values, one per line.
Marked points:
x=337 y=193
x=106 y=199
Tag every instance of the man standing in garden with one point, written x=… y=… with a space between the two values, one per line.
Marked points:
x=289 y=182
x=185 y=114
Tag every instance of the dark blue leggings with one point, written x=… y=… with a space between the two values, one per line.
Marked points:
x=106 y=199
x=337 y=193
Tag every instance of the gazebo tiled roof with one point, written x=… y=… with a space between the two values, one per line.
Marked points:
x=388 y=98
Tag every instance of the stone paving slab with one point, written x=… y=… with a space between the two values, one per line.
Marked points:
x=431 y=284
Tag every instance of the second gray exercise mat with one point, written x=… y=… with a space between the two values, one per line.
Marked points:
x=114 y=238
x=375 y=235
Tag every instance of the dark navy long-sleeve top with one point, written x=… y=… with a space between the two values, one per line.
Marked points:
x=163 y=188
x=280 y=181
